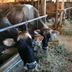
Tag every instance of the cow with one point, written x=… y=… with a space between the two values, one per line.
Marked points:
x=24 y=35
x=20 y=13
x=17 y=14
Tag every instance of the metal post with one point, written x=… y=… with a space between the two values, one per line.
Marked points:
x=19 y=24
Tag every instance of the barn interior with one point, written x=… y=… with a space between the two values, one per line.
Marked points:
x=55 y=15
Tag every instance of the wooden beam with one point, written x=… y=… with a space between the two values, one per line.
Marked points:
x=62 y=12
x=41 y=7
x=38 y=5
x=45 y=8
x=32 y=2
x=57 y=7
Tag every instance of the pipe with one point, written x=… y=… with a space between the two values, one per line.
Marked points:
x=8 y=70
x=67 y=8
x=19 y=24
x=12 y=63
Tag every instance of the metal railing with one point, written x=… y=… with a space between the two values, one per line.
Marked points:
x=19 y=24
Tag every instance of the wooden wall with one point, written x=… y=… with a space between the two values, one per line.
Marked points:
x=51 y=7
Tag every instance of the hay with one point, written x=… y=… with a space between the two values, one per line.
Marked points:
x=67 y=28
x=55 y=60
